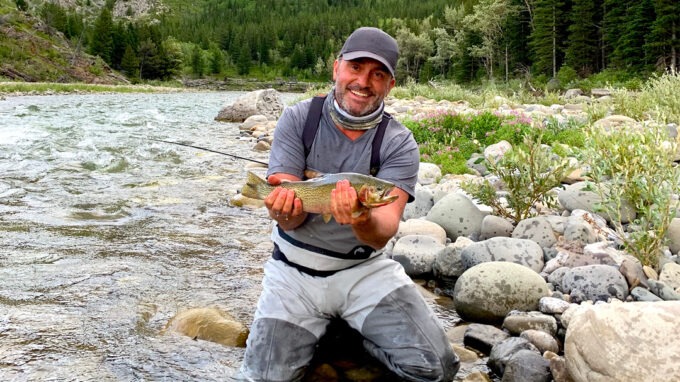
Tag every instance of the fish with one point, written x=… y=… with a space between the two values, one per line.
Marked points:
x=315 y=193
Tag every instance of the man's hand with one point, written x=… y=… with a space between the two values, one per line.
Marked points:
x=282 y=204
x=345 y=202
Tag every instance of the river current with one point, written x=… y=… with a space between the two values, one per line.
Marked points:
x=106 y=235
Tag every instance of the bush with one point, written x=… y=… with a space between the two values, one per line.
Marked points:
x=528 y=173
x=635 y=166
x=567 y=76
x=658 y=99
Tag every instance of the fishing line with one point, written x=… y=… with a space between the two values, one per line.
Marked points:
x=205 y=149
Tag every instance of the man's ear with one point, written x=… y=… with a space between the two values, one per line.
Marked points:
x=392 y=82
x=335 y=69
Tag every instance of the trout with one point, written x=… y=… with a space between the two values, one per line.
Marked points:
x=315 y=194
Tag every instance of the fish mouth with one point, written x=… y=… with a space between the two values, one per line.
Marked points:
x=371 y=199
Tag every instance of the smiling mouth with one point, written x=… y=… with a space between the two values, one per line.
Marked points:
x=359 y=94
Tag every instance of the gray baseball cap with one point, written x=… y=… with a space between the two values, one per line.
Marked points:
x=372 y=43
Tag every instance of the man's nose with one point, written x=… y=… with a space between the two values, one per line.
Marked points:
x=363 y=78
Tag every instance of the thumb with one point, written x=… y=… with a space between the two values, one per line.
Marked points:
x=274 y=180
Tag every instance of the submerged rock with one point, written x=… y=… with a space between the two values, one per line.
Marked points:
x=209 y=324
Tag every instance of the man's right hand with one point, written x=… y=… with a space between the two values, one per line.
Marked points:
x=282 y=204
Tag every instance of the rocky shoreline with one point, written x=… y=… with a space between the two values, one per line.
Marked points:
x=549 y=298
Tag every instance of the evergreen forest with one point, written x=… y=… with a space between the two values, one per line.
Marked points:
x=462 y=41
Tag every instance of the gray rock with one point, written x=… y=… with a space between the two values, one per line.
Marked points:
x=264 y=102
x=641 y=294
x=558 y=369
x=519 y=251
x=416 y=253
x=483 y=337
x=549 y=254
x=448 y=264
x=595 y=282
x=542 y=340
x=537 y=229
x=421 y=205
x=457 y=215
x=600 y=92
x=495 y=226
x=478 y=164
x=575 y=196
x=421 y=227
x=497 y=150
x=558 y=223
x=663 y=291
x=625 y=342
x=579 y=230
x=632 y=271
x=526 y=365
x=487 y=292
x=517 y=322
x=428 y=173
x=670 y=275
x=556 y=277
x=503 y=351
x=552 y=305
x=572 y=93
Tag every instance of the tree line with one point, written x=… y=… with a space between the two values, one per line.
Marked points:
x=466 y=41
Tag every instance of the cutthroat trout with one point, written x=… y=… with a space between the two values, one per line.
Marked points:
x=315 y=194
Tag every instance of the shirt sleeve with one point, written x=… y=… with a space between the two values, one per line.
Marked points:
x=400 y=162
x=288 y=153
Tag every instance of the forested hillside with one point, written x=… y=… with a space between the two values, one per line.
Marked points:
x=464 y=41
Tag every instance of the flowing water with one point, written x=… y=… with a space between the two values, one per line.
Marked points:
x=105 y=236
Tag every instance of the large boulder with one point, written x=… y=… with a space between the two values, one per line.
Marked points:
x=457 y=215
x=577 y=196
x=625 y=342
x=416 y=253
x=209 y=324
x=421 y=205
x=519 y=251
x=264 y=102
x=595 y=282
x=489 y=291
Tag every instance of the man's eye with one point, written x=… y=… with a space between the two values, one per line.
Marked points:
x=379 y=74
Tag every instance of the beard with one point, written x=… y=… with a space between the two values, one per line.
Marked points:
x=372 y=106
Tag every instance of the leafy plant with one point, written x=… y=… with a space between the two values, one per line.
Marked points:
x=635 y=166
x=528 y=173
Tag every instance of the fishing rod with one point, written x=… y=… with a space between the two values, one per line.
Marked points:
x=210 y=150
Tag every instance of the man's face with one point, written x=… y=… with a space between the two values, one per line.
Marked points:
x=361 y=85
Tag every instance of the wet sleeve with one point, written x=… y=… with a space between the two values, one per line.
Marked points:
x=287 y=153
x=400 y=162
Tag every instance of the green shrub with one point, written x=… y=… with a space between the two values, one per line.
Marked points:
x=529 y=173
x=658 y=99
x=567 y=76
x=635 y=166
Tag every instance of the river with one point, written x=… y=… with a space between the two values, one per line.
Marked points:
x=105 y=236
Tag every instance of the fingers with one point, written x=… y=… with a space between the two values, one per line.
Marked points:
x=343 y=201
x=281 y=203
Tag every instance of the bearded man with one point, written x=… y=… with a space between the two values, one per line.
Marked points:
x=319 y=271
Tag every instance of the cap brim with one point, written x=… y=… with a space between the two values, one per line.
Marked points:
x=363 y=54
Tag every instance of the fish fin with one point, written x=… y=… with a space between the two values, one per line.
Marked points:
x=253 y=186
x=327 y=217
x=358 y=212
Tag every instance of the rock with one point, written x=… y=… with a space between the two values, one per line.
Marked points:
x=558 y=369
x=552 y=305
x=670 y=275
x=421 y=205
x=465 y=355
x=615 y=122
x=517 y=322
x=448 y=265
x=421 y=227
x=262 y=146
x=503 y=351
x=600 y=92
x=416 y=253
x=595 y=282
x=576 y=196
x=537 y=229
x=252 y=121
x=209 y=324
x=477 y=164
x=457 y=215
x=604 y=253
x=477 y=376
x=495 y=226
x=428 y=173
x=483 y=337
x=488 y=291
x=497 y=150
x=263 y=102
x=542 y=340
x=641 y=294
x=580 y=230
x=565 y=318
x=663 y=291
x=558 y=223
x=573 y=93
x=632 y=271
x=556 y=277
x=650 y=272
x=519 y=251
x=638 y=338
x=526 y=365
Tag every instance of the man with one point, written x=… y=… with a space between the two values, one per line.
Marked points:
x=323 y=270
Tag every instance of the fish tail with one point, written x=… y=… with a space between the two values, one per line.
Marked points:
x=255 y=187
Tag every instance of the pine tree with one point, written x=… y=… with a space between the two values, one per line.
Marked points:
x=545 y=40
x=243 y=63
x=197 y=61
x=129 y=64
x=664 y=40
x=102 y=36
x=216 y=59
x=581 y=53
x=614 y=23
x=637 y=25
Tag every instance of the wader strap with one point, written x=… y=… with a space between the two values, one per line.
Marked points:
x=312 y=126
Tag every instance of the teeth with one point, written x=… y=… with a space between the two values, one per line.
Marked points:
x=359 y=93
